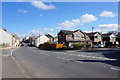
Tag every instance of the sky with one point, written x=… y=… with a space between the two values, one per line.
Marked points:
x=36 y=17
x=62 y=0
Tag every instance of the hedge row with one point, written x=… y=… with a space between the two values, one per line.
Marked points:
x=81 y=45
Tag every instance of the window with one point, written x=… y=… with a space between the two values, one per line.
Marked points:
x=59 y=36
x=77 y=36
x=82 y=36
x=96 y=37
x=69 y=37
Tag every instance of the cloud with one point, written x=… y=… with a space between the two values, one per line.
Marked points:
x=48 y=29
x=40 y=31
x=41 y=15
x=107 y=14
x=87 y=18
x=107 y=27
x=36 y=32
x=41 y=5
x=22 y=11
x=20 y=35
x=53 y=34
x=76 y=22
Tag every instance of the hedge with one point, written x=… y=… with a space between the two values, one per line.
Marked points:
x=81 y=45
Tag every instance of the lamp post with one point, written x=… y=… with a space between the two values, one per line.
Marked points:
x=92 y=29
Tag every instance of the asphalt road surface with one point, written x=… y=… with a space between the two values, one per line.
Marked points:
x=36 y=63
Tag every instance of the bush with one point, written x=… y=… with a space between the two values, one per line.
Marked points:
x=64 y=47
x=108 y=44
x=88 y=44
x=81 y=45
x=47 y=42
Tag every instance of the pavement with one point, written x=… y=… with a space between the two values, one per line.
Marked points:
x=5 y=48
x=36 y=63
x=10 y=69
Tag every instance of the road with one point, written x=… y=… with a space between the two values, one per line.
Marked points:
x=9 y=67
x=36 y=63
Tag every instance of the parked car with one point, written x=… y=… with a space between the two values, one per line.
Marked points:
x=98 y=45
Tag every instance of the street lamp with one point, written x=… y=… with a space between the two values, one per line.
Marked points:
x=92 y=29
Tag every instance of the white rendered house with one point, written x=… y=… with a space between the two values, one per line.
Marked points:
x=41 y=40
x=8 y=39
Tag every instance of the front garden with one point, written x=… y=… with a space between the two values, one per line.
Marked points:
x=75 y=46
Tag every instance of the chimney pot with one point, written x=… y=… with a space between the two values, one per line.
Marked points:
x=4 y=29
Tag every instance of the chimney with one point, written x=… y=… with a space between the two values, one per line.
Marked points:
x=4 y=29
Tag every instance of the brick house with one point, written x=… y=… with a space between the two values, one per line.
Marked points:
x=69 y=37
x=96 y=38
x=110 y=38
x=118 y=38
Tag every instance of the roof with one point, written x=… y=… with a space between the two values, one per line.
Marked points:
x=49 y=36
x=15 y=36
x=118 y=36
x=66 y=31
x=106 y=35
x=70 y=32
x=79 y=40
x=2 y=31
x=92 y=33
x=80 y=31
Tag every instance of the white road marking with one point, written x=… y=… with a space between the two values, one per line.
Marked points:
x=94 y=57
x=12 y=52
x=115 y=69
x=5 y=55
x=102 y=58
x=79 y=61
x=71 y=60
x=71 y=51
x=63 y=58
x=44 y=54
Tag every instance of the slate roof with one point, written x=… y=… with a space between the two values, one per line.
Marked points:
x=92 y=33
x=49 y=36
x=67 y=31
x=106 y=35
x=79 y=40
x=70 y=32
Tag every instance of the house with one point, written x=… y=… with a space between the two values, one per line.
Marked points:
x=26 y=39
x=32 y=40
x=41 y=40
x=118 y=38
x=15 y=40
x=50 y=37
x=29 y=40
x=96 y=38
x=55 y=40
x=110 y=38
x=7 y=40
x=69 y=37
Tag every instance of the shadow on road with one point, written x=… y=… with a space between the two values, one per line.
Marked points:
x=108 y=53
x=111 y=62
x=111 y=53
